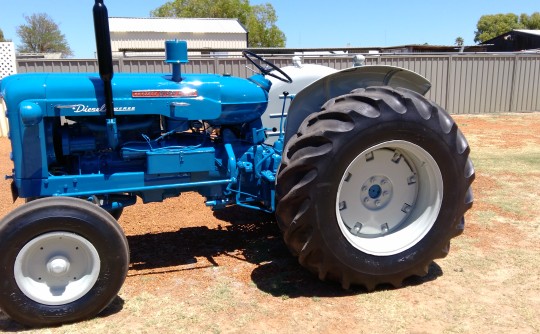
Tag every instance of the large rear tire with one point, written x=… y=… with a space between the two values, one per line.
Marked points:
x=373 y=187
x=63 y=260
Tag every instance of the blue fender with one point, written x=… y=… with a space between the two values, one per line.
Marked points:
x=312 y=97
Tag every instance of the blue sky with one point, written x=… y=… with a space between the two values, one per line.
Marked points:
x=313 y=23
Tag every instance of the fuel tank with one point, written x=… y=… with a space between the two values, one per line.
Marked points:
x=218 y=99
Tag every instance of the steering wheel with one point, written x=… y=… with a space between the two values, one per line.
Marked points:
x=268 y=67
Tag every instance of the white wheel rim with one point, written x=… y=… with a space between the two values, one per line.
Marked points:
x=389 y=198
x=57 y=268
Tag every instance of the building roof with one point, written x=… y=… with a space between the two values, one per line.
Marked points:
x=516 y=40
x=513 y=31
x=406 y=49
x=175 y=25
x=530 y=32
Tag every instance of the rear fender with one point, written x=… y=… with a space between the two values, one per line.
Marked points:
x=312 y=97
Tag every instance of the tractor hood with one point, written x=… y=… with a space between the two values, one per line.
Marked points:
x=218 y=98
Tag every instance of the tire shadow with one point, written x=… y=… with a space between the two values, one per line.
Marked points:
x=285 y=278
x=251 y=236
x=114 y=307
x=9 y=326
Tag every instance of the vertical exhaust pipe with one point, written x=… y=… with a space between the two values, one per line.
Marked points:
x=105 y=62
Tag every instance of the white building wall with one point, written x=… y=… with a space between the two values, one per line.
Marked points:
x=144 y=34
x=156 y=40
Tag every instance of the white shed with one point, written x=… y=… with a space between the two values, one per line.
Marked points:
x=150 y=34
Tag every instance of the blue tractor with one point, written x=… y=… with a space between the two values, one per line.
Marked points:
x=368 y=179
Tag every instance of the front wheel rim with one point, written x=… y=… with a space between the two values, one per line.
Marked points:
x=389 y=197
x=56 y=268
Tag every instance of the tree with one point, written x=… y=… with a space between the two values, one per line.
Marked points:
x=41 y=34
x=259 y=20
x=459 y=41
x=205 y=8
x=531 y=22
x=262 y=29
x=2 y=37
x=491 y=26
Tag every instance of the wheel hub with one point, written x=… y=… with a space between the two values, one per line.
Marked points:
x=58 y=265
x=376 y=192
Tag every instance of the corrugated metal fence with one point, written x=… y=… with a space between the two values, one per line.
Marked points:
x=461 y=83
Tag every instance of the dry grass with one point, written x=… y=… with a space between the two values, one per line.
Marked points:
x=216 y=276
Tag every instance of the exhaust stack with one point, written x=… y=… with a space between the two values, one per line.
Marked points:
x=106 y=72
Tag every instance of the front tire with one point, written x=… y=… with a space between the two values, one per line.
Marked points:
x=63 y=260
x=373 y=187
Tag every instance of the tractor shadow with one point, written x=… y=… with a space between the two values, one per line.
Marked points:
x=248 y=236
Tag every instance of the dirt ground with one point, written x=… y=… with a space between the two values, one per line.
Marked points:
x=197 y=271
